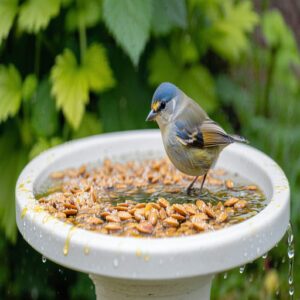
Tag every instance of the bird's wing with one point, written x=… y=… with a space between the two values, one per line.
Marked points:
x=208 y=134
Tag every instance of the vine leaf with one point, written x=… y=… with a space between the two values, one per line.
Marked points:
x=29 y=86
x=10 y=91
x=36 y=14
x=167 y=15
x=8 y=11
x=129 y=21
x=89 y=12
x=11 y=164
x=70 y=87
x=228 y=33
x=97 y=69
x=162 y=67
x=43 y=144
x=44 y=120
x=72 y=81
x=90 y=125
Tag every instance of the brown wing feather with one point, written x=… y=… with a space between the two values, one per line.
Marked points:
x=214 y=135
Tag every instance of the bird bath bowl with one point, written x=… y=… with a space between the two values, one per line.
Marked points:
x=138 y=268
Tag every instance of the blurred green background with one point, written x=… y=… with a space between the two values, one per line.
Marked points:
x=74 y=68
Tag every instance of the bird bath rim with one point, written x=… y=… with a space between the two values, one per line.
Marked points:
x=148 y=258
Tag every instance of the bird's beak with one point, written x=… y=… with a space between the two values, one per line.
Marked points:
x=152 y=115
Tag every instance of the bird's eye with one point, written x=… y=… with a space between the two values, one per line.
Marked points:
x=162 y=105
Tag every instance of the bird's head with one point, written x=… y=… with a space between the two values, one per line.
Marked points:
x=163 y=102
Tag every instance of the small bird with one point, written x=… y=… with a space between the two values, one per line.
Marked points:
x=191 y=139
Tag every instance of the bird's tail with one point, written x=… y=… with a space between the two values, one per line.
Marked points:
x=238 y=139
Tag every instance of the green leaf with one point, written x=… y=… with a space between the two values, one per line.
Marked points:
x=29 y=86
x=129 y=21
x=70 y=87
x=10 y=91
x=36 y=14
x=8 y=11
x=274 y=28
x=168 y=15
x=97 y=69
x=72 y=81
x=227 y=36
x=13 y=159
x=43 y=144
x=90 y=125
x=281 y=38
x=44 y=114
x=88 y=12
x=162 y=67
x=198 y=84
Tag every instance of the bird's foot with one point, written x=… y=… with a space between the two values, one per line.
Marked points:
x=189 y=191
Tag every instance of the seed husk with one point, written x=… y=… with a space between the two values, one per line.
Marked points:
x=170 y=222
x=70 y=212
x=229 y=184
x=112 y=218
x=124 y=215
x=240 y=204
x=178 y=217
x=199 y=226
x=139 y=214
x=179 y=208
x=144 y=227
x=113 y=226
x=231 y=201
x=221 y=217
x=163 y=202
x=209 y=212
x=201 y=205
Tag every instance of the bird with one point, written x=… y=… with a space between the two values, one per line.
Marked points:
x=191 y=139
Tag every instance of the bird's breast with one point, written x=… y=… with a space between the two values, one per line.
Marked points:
x=189 y=160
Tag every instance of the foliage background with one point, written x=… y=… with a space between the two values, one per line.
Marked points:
x=73 y=68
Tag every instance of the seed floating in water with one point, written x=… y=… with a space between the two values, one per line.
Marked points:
x=147 y=199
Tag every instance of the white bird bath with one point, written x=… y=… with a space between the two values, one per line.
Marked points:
x=140 y=268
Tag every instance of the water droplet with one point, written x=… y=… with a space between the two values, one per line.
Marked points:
x=277 y=292
x=283 y=260
x=291 y=251
x=251 y=277
x=225 y=276
x=291 y=290
x=242 y=269
x=44 y=259
x=265 y=255
x=115 y=262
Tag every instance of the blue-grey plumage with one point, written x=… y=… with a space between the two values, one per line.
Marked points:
x=191 y=139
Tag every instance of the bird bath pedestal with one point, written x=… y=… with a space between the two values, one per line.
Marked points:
x=166 y=268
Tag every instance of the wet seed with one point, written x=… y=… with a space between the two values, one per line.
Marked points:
x=240 y=204
x=231 y=201
x=170 y=222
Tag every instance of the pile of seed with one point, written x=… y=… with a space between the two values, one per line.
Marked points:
x=126 y=200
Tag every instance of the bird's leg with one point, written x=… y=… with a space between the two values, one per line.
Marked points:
x=203 y=180
x=189 y=188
